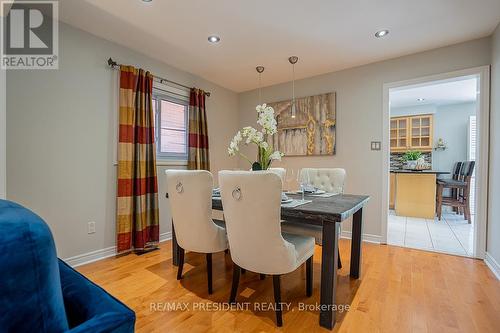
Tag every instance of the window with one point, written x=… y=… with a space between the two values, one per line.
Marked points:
x=171 y=118
x=471 y=151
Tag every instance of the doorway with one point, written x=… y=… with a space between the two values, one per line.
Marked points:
x=436 y=131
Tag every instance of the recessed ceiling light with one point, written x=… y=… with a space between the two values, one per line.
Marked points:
x=213 y=39
x=147 y=0
x=381 y=33
x=420 y=99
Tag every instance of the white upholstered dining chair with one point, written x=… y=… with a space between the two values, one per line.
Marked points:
x=190 y=197
x=252 y=209
x=330 y=180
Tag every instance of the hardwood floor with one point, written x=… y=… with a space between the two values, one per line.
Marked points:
x=400 y=290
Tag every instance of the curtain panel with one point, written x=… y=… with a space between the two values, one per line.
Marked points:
x=198 y=157
x=137 y=223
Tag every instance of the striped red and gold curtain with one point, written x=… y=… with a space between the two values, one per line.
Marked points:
x=198 y=157
x=137 y=224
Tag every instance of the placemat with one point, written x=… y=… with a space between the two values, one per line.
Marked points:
x=295 y=203
x=324 y=195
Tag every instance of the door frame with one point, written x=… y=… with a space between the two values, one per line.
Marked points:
x=482 y=153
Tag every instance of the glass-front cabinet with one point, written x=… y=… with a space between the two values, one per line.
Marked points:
x=411 y=133
x=399 y=134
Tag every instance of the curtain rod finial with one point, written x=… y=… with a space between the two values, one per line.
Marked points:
x=111 y=62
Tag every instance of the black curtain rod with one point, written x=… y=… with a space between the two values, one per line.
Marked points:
x=114 y=65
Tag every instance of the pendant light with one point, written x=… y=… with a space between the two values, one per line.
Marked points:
x=260 y=70
x=293 y=60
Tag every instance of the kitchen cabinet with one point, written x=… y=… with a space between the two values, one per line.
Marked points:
x=392 y=190
x=413 y=193
x=399 y=134
x=411 y=133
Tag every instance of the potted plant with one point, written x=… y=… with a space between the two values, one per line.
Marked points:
x=410 y=158
x=250 y=135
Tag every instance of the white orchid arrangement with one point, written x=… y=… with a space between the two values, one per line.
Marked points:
x=250 y=135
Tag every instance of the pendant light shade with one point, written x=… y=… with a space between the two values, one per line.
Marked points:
x=293 y=60
x=294 y=111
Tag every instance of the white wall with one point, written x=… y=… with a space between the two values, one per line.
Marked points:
x=493 y=240
x=61 y=138
x=359 y=112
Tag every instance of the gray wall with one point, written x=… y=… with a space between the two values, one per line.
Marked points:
x=451 y=122
x=61 y=138
x=413 y=110
x=3 y=134
x=359 y=112
x=3 y=129
x=493 y=240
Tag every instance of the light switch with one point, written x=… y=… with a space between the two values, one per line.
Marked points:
x=91 y=227
x=375 y=145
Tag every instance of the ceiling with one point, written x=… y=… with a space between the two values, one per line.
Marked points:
x=327 y=35
x=438 y=93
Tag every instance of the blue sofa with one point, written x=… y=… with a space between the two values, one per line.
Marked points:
x=41 y=293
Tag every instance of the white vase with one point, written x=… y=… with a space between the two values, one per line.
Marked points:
x=411 y=165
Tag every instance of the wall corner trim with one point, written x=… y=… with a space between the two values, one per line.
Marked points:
x=492 y=264
x=89 y=257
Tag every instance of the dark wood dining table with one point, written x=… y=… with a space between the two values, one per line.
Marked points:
x=326 y=213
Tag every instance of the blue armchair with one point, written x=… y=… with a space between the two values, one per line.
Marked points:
x=41 y=293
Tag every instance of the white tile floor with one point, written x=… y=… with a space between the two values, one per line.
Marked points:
x=450 y=235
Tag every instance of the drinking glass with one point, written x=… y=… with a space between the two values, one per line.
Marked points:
x=303 y=179
x=290 y=177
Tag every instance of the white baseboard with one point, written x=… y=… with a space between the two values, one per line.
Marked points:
x=492 y=264
x=365 y=237
x=87 y=258
x=165 y=236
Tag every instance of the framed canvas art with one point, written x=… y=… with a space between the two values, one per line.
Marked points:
x=310 y=131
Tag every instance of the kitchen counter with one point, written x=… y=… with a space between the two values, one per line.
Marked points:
x=434 y=172
x=413 y=193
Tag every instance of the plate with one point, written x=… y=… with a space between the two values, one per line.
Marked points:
x=311 y=193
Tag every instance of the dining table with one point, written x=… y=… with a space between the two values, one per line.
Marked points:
x=327 y=213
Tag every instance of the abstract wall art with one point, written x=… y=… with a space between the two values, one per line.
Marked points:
x=310 y=131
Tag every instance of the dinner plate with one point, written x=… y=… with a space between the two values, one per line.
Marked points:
x=312 y=193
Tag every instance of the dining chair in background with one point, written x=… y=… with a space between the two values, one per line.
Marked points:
x=455 y=174
x=460 y=188
x=252 y=210
x=330 y=180
x=190 y=197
